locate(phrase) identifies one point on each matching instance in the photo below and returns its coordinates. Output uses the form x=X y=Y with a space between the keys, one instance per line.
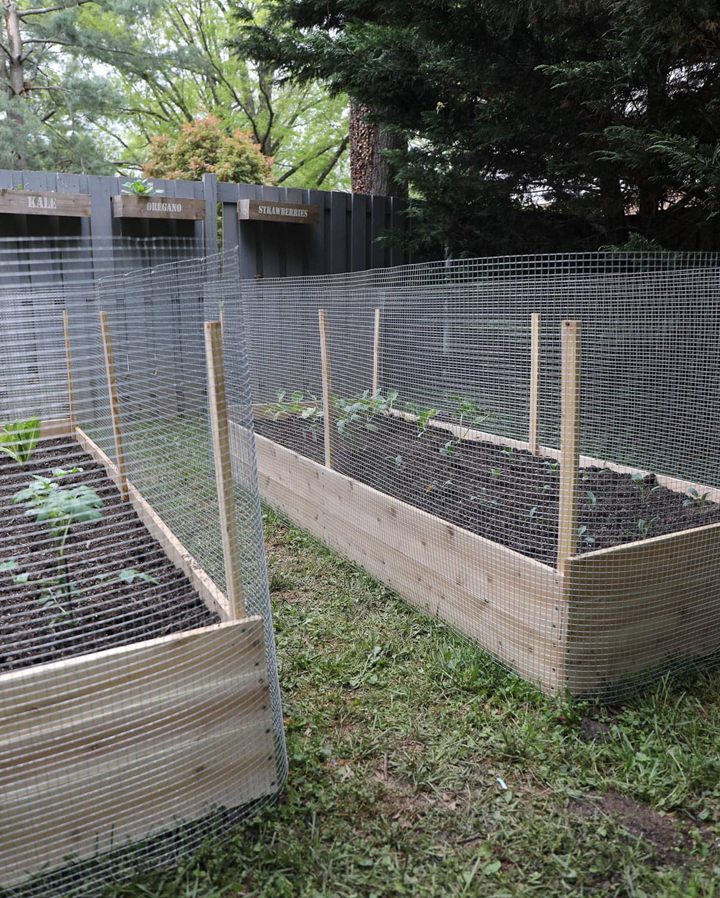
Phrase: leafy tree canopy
x=533 y=125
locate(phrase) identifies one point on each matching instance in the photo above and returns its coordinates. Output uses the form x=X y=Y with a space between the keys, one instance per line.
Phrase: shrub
x=204 y=145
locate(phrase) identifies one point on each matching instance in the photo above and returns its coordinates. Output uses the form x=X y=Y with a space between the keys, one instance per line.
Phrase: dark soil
x=103 y=611
x=661 y=831
x=507 y=495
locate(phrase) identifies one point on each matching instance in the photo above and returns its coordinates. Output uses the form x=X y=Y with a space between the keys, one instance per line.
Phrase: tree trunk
x=370 y=170
x=16 y=77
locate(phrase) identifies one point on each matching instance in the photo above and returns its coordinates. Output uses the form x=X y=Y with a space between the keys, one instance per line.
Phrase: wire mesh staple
x=581 y=550
x=139 y=701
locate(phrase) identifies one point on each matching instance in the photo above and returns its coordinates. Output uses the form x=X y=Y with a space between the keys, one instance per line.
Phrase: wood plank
x=376 y=353
x=55 y=427
x=114 y=404
x=219 y=426
x=35 y=202
x=569 y=442
x=114 y=746
x=326 y=387
x=68 y=368
x=640 y=606
x=512 y=605
x=177 y=208
x=533 y=438
x=213 y=597
x=271 y=210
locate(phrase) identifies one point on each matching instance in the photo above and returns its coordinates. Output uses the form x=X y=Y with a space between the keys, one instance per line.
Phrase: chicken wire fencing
x=139 y=702
x=525 y=448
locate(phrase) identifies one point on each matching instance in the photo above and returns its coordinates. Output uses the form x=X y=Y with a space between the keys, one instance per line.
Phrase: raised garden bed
x=135 y=701
x=472 y=537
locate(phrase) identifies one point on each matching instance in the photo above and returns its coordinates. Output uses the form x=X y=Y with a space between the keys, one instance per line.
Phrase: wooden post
x=326 y=387
x=569 y=442
x=68 y=367
x=533 y=438
x=217 y=406
x=114 y=404
x=376 y=354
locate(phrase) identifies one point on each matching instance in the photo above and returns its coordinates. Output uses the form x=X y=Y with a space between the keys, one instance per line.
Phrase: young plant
x=587 y=538
x=694 y=498
x=297 y=405
x=60 y=507
x=645 y=525
x=141 y=187
x=469 y=416
x=19 y=439
x=645 y=484
x=363 y=409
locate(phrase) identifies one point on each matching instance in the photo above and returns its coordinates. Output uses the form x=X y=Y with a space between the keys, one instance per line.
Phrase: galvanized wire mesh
x=584 y=565
x=139 y=702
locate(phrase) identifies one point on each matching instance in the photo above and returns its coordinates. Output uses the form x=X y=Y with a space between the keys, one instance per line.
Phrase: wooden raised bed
x=108 y=748
x=586 y=625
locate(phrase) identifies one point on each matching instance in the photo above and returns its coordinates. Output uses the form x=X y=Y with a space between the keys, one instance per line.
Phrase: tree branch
x=42 y=11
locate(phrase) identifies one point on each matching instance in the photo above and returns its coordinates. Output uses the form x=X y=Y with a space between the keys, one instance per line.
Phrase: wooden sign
x=268 y=210
x=168 y=207
x=31 y=202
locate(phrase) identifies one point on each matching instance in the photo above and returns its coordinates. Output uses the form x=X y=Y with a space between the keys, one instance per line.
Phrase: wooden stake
x=68 y=366
x=533 y=439
x=114 y=404
x=376 y=354
x=569 y=442
x=217 y=405
x=326 y=387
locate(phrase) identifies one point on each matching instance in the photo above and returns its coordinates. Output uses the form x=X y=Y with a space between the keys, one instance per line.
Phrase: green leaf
x=9 y=565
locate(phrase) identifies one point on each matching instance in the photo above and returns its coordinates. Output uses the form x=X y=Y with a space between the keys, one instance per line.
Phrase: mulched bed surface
x=104 y=613
x=509 y=496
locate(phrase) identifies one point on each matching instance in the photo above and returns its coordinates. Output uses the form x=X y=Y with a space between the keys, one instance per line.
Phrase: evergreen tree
x=531 y=125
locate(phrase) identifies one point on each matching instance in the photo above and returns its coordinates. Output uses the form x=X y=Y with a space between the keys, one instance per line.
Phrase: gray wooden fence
x=352 y=232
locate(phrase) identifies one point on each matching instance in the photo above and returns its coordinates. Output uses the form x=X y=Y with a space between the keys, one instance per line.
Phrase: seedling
x=141 y=187
x=470 y=416
x=591 y=497
x=297 y=404
x=586 y=537
x=19 y=439
x=60 y=508
x=424 y=417
x=645 y=525
x=694 y=498
x=644 y=484
x=363 y=409
x=129 y=575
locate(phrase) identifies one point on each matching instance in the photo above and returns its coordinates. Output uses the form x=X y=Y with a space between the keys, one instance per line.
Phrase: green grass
x=401 y=736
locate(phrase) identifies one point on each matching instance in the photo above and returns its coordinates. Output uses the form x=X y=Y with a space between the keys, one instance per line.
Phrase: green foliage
x=529 y=126
x=204 y=145
x=141 y=187
x=296 y=403
x=695 y=498
x=60 y=507
x=19 y=439
x=469 y=415
x=361 y=411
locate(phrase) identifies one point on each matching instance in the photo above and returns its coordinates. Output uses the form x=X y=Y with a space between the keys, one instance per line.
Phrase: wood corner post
x=220 y=431
x=326 y=386
x=114 y=404
x=569 y=442
x=533 y=435
x=68 y=368
x=376 y=354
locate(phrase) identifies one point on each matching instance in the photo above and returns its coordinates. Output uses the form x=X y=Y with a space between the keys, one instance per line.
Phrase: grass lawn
x=419 y=768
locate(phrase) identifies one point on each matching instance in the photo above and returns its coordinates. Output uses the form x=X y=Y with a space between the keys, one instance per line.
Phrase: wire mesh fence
x=139 y=702
x=524 y=447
